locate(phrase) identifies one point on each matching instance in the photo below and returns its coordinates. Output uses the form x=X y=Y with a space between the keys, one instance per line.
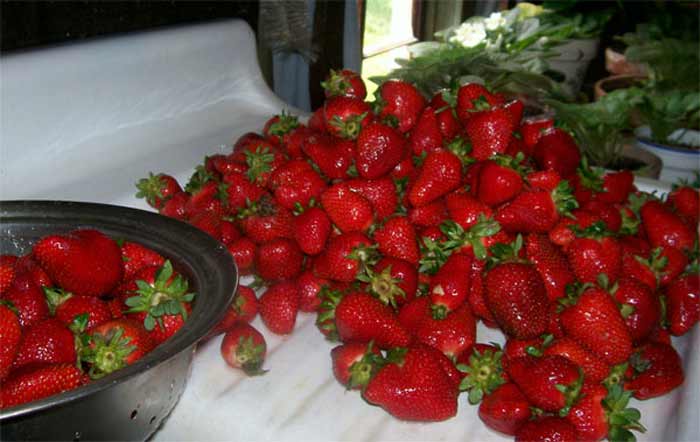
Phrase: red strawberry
x=665 y=228
x=594 y=321
x=238 y=190
x=311 y=230
x=657 y=369
x=296 y=183
x=379 y=149
x=552 y=383
x=278 y=126
x=639 y=306
x=344 y=83
x=10 y=338
x=7 y=272
x=137 y=256
x=557 y=150
x=28 y=269
x=397 y=238
x=449 y=288
x=29 y=300
x=175 y=207
x=401 y=101
x=208 y=197
x=594 y=369
x=489 y=132
x=380 y=192
x=551 y=264
x=476 y=294
x=243 y=252
x=355 y=363
x=361 y=317
x=278 y=307
x=48 y=342
x=114 y=345
x=426 y=136
x=332 y=156
x=265 y=220
x=451 y=333
x=683 y=303
x=516 y=295
x=471 y=98
x=595 y=252
x=466 y=210
x=39 y=383
x=393 y=281
x=482 y=369
x=317 y=122
x=278 y=259
x=262 y=159
x=293 y=141
x=440 y=174
x=498 y=183
x=309 y=288
x=536 y=210
x=546 y=429
x=337 y=262
x=243 y=308
x=505 y=410
x=348 y=210
x=346 y=117
x=84 y=262
x=413 y=386
x=686 y=201
x=161 y=300
x=208 y=222
x=65 y=307
x=532 y=129
x=562 y=234
x=431 y=214
x=244 y=347
x=157 y=189
x=229 y=232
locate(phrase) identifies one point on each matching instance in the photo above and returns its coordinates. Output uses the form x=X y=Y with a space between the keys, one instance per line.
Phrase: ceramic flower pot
x=679 y=161
x=573 y=60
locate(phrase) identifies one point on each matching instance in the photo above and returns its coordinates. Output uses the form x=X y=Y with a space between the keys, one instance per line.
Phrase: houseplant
x=512 y=49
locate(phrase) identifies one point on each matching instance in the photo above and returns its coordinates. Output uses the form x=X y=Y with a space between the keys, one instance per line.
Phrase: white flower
x=469 y=34
x=494 y=21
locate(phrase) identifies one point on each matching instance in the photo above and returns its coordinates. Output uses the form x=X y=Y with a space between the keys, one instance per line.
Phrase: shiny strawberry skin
x=137 y=256
x=557 y=150
x=243 y=251
x=349 y=211
x=311 y=230
x=498 y=184
x=516 y=295
x=449 y=288
x=244 y=347
x=10 y=338
x=361 y=317
x=532 y=129
x=594 y=369
x=530 y=211
x=588 y=416
x=344 y=83
x=48 y=342
x=640 y=307
x=591 y=257
x=686 y=201
x=380 y=192
x=309 y=286
x=546 y=429
x=595 y=322
x=665 y=228
x=97 y=310
x=379 y=149
x=39 y=383
x=538 y=378
x=397 y=238
x=278 y=259
x=658 y=369
x=335 y=263
x=466 y=95
x=7 y=272
x=440 y=174
x=28 y=299
x=402 y=101
x=505 y=410
x=426 y=136
x=345 y=116
x=296 y=182
x=278 y=307
x=417 y=389
x=332 y=156
x=489 y=132
x=551 y=264
x=130 y=329
x=157 y=189
x=683 y=303
x=452 y=334
x=347 y=358
x=84 y=262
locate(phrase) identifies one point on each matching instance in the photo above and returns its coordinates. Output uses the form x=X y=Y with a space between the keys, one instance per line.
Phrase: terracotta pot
x=609 y=84
x=616 y=63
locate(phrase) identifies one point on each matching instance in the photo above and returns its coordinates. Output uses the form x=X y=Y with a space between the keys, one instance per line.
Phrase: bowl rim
x=217 y=261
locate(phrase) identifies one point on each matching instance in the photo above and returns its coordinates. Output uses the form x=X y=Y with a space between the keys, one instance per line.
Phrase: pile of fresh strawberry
x=80 y=306
x=403 y=222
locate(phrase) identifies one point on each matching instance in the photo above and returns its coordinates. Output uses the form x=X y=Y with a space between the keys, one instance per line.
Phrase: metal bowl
x=129 y=404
